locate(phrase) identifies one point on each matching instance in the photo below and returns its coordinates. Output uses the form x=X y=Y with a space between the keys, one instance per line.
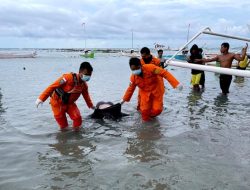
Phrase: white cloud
x=111 y=22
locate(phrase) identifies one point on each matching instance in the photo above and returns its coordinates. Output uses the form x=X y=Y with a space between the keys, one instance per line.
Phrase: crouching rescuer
x=63 y=94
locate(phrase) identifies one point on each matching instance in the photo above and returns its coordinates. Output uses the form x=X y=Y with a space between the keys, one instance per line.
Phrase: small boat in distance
x=181 y=57
x=131 y=53
x=87 y=53
x=17 y=55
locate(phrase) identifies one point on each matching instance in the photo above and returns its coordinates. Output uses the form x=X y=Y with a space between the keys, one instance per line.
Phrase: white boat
x=17 y=55
x=132 y=53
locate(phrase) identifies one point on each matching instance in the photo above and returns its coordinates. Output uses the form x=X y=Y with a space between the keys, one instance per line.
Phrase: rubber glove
x=122 y=101
x=38 y=102
x=179 y=87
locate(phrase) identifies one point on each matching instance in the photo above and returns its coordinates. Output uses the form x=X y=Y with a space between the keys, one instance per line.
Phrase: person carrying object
x=63 y=94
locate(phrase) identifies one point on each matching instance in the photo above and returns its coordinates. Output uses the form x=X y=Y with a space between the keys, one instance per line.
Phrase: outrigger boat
x=228 y=71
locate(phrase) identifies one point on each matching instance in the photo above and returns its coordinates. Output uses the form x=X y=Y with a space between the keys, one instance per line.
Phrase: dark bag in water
x=63 y=95
x=112 y=112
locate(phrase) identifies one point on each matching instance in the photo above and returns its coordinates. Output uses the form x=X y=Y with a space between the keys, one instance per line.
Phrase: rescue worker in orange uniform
x=147 y=77
x=63 y=94
x=147 y=58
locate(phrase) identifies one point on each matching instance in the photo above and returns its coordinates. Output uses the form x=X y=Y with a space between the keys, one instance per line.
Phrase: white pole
x=227 y=36
x=83 y=24
x=188 y=32
x=228 y=71
x=192 y=39
x=132 y=39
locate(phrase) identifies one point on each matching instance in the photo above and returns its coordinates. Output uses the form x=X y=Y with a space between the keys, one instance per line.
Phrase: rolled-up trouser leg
x=75 y=115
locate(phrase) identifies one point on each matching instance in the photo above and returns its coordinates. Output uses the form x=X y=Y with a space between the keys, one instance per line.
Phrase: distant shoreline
x=100 y=50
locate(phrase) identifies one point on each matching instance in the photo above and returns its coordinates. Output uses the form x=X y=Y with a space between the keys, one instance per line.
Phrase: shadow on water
x=68 y=159
x=103 y=127
x=239 y=81
x=221 y=102
x=2 y=110
x=71 y=143
x=1 y=104
x=196 y=109
x=143 y=147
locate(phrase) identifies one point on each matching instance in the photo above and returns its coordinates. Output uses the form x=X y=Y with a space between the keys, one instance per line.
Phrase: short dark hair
x=160 y=50
x=194 y=47
x=145 y=50
x=86 y=65
x=134 y=61
x=225 y=44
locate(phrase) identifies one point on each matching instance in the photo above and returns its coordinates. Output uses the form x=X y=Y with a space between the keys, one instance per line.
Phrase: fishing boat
x=17 y=55
x=86 y=53
x=215 y=69
x=181 y=57
x=131 y=52
x=182 y=52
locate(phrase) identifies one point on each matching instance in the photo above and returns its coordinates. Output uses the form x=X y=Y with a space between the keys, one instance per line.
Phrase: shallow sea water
x=200 y=141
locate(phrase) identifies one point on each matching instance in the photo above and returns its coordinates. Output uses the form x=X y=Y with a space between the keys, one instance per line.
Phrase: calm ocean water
x=200 y=141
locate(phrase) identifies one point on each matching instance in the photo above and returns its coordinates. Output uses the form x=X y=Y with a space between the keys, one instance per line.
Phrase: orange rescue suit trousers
x=151 y=108
x=60 y=115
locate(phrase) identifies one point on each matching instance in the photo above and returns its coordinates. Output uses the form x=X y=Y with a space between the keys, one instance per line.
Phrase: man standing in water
x=147 y=58
x=226 y=58
x=63 y=94
x=160 y=56
x=242 y=65
x=198 y=77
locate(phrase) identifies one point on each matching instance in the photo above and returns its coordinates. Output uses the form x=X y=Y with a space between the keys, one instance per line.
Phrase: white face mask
x=85 y=78
x=136 y=72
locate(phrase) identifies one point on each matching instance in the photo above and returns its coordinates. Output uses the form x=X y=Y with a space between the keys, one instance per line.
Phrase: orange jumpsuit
x=151 y=94
x=75 y=88
x=155 y=61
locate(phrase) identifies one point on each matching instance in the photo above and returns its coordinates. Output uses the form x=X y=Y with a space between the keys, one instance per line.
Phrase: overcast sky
x=109 y=23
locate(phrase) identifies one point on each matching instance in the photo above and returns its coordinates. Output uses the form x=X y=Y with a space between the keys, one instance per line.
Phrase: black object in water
x=107 y=110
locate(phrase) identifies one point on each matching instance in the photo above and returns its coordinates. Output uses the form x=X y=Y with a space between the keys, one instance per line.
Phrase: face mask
x=85 y=78
x=147 y=60
x=136 y=72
